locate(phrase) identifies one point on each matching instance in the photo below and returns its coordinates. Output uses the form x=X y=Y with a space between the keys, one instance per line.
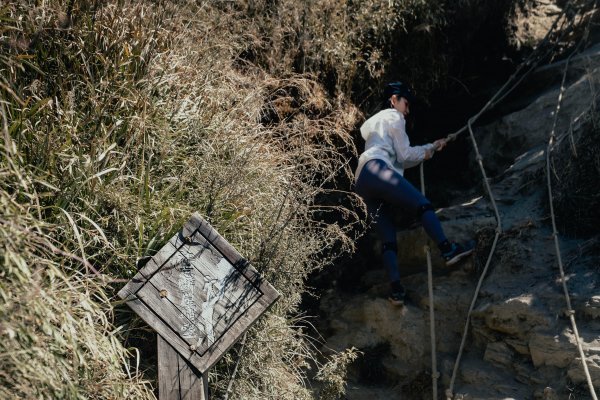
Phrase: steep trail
x=521 y=344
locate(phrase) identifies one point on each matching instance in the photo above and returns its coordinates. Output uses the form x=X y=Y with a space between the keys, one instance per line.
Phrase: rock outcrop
x=521 y=344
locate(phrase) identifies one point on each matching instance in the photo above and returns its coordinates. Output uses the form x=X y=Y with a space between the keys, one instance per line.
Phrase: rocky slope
x=520 y=343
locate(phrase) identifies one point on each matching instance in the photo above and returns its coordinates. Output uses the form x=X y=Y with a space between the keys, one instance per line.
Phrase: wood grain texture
x=199 y=294
x=177 y=378
x=157 y=261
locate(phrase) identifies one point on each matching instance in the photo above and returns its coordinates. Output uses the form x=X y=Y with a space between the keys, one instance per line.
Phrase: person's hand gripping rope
x=438 y=145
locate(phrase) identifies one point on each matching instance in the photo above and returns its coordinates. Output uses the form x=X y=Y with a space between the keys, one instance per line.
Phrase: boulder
x=552 y=350
x=592 y=307
x=499 y=354
x=502 y=141
x=515 y=316
x=576 y=372
x=367 y=322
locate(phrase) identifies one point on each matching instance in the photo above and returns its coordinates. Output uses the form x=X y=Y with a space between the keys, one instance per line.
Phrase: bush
x=120 y=120
x=352 y=47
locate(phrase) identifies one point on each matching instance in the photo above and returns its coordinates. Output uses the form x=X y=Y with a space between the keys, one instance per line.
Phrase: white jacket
x=386 y=139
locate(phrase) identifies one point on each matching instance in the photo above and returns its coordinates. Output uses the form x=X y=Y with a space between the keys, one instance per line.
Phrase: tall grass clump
x=253 y=152
x=352 y=46
x=58 y=341
x=120 y=119
x=69 y=77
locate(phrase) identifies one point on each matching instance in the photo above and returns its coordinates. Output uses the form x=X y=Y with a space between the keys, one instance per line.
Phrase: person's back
x=378 y=140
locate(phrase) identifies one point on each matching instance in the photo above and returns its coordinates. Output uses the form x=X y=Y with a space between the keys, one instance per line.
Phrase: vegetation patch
x=119 y=120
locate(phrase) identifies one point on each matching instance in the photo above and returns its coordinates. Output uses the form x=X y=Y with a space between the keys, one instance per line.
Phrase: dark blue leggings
x=384 y=189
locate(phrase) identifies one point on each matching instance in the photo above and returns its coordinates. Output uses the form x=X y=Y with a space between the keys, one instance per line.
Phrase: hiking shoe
x=458 y=252
x=397 y=295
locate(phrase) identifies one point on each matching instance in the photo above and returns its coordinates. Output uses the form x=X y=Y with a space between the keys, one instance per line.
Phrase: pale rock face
x=521 y=344
x=592 y=307
x=515 y=316
x=557 y=351
x=498 y=353
x=367 y=322
x=502 y=141
x=576 y=373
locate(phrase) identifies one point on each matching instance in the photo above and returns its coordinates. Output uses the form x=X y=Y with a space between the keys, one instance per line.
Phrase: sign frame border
x=129 y=293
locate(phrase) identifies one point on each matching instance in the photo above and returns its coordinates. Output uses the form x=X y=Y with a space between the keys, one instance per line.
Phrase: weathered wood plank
x=201 y=276
x=202 y=310
x=201 y=273
x=141 y=277
x=168 y=370
x=167 y=333
x=205 y=283
x=206 y=322
x=177 y=378
x=212 y=355
x=235 y=258
x=235 y=332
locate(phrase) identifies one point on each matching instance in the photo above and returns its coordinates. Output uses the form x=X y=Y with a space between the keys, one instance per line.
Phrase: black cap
x=400 y=90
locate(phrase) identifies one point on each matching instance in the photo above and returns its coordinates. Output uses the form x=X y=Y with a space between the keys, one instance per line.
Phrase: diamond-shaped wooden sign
x=199 y=294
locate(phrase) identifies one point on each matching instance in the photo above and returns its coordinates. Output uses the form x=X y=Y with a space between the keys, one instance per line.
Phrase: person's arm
x=408 y=155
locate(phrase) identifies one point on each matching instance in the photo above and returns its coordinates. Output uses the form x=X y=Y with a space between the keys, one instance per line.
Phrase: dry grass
x=352 y=46
x=253 y=153
x=119 y=120
x=55 y=321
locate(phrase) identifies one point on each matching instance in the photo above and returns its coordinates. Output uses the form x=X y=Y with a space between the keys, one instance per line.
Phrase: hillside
x=119 y=119
x=521 y=343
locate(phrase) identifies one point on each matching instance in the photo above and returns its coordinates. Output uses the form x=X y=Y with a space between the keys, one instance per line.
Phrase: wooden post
x=177 y=378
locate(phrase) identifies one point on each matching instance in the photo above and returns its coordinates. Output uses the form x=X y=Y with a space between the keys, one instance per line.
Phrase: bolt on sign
x=199 y=294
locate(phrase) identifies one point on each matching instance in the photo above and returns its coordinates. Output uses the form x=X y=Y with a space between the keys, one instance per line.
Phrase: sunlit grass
x=118 y=121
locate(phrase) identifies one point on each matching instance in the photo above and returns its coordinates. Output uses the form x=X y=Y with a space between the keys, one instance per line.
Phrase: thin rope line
x=449 y=391
x=492 y=102
x=570 y=311
x=501 y=93
x=434 y=372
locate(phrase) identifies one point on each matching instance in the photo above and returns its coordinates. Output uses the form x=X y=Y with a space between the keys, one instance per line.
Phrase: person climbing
x=380 y=181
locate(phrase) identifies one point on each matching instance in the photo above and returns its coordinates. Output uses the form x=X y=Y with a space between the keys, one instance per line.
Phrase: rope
x=434 y=372
x=529 y=61
x=499 y=96
x=449 y=391
x=570 y=311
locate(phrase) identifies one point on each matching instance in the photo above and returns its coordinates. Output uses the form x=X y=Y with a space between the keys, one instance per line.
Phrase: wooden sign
x=199 y=294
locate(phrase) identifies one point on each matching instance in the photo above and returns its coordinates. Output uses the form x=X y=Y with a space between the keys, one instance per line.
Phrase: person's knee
x=423 y=208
